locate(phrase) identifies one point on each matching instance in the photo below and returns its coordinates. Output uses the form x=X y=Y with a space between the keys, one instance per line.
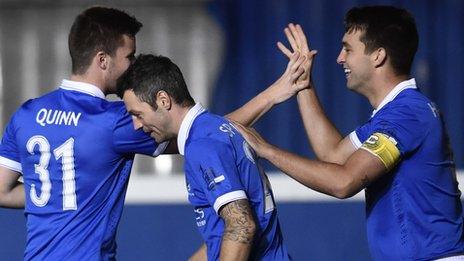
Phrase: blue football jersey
x=220 y=168
x=414 y=212
x=75 y=152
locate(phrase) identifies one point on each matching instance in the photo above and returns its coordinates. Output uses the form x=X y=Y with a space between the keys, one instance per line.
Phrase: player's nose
x=341 y=57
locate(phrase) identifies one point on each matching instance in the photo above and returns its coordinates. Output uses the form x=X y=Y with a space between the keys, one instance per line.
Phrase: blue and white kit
x=220 y=168
x=414 y=212
x=75 y=151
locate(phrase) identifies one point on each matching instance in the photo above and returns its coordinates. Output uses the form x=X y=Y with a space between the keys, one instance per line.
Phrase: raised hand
x=299 y=43
x=287 y=86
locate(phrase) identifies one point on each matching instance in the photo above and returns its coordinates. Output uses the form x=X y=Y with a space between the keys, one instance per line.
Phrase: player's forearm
x=252 y=111
x=322 y=134
x=239 y=231
x=200 y=254
x=12 y=197
x=328 y=178
x=234 y=251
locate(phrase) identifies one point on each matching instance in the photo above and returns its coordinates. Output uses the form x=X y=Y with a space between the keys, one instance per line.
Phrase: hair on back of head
x=150 y=74
x=98 y=28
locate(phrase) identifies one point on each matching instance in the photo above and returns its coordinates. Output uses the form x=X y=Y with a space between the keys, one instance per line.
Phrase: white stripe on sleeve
x=229 y=197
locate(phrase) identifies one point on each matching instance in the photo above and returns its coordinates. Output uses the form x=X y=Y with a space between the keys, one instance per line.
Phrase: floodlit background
x=227 y=52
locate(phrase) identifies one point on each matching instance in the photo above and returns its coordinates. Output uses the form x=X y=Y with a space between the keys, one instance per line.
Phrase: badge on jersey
x=211 y=178
x=383 y=147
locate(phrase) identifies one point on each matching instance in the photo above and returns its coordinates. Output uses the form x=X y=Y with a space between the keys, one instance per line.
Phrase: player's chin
x=158 y=138
x=350 y=84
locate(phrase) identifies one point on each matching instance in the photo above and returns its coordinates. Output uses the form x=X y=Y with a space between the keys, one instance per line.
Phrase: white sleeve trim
x=161 y=148
x=355 y=140
x=10 y=164
x=229 y=197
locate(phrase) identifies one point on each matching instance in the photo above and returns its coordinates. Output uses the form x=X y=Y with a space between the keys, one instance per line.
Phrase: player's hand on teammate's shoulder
x=252 y=137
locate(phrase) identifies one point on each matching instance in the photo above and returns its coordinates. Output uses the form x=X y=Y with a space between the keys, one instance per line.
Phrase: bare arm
x=239 y=230
x=281 y=90
x=11 y=190
x=326 y=141
x=200 y=254
x=338 y=180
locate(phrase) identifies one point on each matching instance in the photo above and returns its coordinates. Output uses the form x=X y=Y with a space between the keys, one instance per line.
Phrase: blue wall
x=312 y=231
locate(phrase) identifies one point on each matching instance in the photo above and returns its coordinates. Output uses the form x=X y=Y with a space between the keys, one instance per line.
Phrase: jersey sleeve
x=126 y=139
x=9 y=153
x=400 y=125
x=216 y=172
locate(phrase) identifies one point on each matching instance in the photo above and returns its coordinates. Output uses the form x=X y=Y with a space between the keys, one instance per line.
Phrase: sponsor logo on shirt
x=189 y=190
x=227 y=128
x=200 y=217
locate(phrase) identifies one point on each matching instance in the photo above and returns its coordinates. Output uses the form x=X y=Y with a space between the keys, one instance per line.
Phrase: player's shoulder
x=197 y=149
x=410 y=103
x=116 y=107
x=47 y=97
x=209 y=126
x=209 y=132
x=413 y=99
x=37 y=102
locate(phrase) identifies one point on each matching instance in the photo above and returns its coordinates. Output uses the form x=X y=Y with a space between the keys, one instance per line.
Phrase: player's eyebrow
x=133 y=112
x=346 y=44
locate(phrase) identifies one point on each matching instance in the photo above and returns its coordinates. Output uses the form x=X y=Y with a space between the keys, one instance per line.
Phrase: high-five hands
x=299 y=43
x=287 y=85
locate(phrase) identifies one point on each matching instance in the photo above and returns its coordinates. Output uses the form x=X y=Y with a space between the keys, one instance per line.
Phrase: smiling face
x=357 y=65
x=155 y=122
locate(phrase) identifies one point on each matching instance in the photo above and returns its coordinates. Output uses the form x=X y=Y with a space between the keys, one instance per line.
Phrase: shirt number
x=65 y=153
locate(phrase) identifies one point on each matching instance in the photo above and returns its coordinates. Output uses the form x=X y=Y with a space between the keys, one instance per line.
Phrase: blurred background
x=227 y=52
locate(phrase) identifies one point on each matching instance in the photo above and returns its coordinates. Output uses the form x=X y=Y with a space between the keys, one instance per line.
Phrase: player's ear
x=101 y=58
x=163 y=100
x=379 y=57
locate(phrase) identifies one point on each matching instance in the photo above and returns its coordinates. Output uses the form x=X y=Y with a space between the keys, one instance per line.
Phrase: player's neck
x=179 y=114
x=87 y=78
x=382 y=86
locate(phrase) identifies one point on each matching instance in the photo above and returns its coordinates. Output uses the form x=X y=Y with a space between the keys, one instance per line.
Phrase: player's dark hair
x=150 y=74
x=388 y=27
x=98 y=29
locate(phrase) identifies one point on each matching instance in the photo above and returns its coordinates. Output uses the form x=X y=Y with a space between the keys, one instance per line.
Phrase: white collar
x=409 y=84
x=186 y=125
x=82 y=87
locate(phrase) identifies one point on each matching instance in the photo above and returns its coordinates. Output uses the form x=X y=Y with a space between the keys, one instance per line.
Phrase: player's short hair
x=388 y=27
x=98 y=29
x=150 y=74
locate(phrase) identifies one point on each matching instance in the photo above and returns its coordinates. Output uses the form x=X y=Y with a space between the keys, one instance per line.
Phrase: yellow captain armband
x=383 y=147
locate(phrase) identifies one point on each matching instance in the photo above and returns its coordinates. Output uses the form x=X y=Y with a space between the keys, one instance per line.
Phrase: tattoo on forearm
x=239 y=224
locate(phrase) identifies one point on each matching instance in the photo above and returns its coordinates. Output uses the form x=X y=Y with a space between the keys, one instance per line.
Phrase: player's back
x=74 y=173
